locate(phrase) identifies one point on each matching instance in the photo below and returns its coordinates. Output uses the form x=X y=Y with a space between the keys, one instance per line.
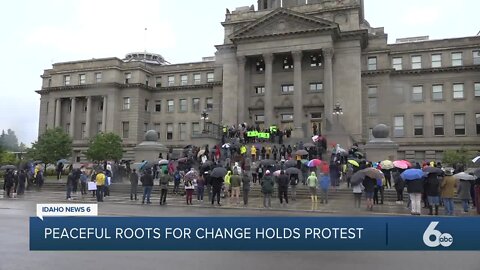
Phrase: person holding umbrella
x=414 y=181
x=399 y=184
x=463 y=193
x=369 y=184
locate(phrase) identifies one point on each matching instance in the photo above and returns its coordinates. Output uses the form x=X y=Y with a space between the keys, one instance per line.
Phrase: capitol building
x=290 y=63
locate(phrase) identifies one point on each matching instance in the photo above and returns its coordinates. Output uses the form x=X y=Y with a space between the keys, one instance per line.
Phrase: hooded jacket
x=312 y=180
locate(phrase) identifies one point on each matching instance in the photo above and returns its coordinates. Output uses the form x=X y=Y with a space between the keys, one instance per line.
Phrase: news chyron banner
x=252 y=233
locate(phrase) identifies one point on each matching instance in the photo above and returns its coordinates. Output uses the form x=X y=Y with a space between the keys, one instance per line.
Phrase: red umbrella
x=314 y=163
x=401 y=164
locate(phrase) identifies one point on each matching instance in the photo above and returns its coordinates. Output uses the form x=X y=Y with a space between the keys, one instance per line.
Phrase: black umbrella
x=308 y=145
x=477 y=173
x=359 y=155
x=301 y=152
x=219 y=172
x=37 y=162
x=292 y=170
x=357 y=178
x=290 y=163
x=433 y=170
x=267 y=162
x=8 y=167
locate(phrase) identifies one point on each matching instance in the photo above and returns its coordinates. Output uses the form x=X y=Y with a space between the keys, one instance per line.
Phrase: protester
x=324 y=185
x=147 y=183
x=22 y=178
x=70 y=183
x=399 y=184
x=293 y=185
x=463 y=194
x=133 y=184
x=432 y=189
x=189 y=188
x=59 y=170
x=217 y=183
x=165 y=178
x=357 y=194
x=226 y=182
x=312 y=184
x=201 y=186
x=245 y=188
x=100 y=180
x=283 y=182
x=9 y=181
x=415 y=190
x=369 y=185
x=235 y=183
x=267 y=184
x=177 y=178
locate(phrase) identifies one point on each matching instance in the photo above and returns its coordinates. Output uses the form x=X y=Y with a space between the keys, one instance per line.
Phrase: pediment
x=282 y=22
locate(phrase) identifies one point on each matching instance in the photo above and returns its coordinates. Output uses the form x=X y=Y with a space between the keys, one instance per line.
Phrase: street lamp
x=338 y=110
x=204 y=116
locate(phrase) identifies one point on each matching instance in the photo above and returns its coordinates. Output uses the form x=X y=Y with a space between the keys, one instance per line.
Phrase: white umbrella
x=476 y=160
x=227 y=145
x=464 y=176
x=201 y=152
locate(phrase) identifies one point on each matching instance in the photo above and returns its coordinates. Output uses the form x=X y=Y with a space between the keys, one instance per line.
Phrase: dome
x=380 y=131
x=151 y=136
x=145 y=57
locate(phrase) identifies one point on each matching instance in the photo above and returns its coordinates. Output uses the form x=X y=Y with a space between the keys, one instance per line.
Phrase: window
x=66 y=80
x=195 y=104
x=147 y=105
x=210 y=77
x=260 y=65
x=458 y=91
x=416 y=62
x=316 y=60
x=99 y=127
x=477 y=123
x=82 y=78
x=197 y=78
x=398 y=127
x=436 y=60
x=437 y=92
x=287 y=117
x=372 y=105
x=438 y=125
x=182 y=130
x=477 y=89
x=158 y=105
x=316 y=115
x=128 y=77
x=372 y=91
x=126 y=103
x=195 y=128
x=209 y=102
x=259 y=90
x=171 y=80
x=147 y=80
x=459 y=121
x=83 y=130
x=316 y=87
x=372 y=63
x=169 y=132
x=125 y=129
x=457 y=59
x=145 y=127
x=259 y=118
x=287 y=62
x=170 y=105
x=156 y=127
x=158 y=82
x=287 y=88
x=183 y=105
x=397 y=63
x=98 y=77
x=183 y=80
x=418 y=125
x=476 y=57
x=417 y=93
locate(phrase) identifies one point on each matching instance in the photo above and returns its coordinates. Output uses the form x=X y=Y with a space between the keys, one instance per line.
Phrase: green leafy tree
x=7 y=158
x=460 y=156
x=51 y=146
x=105 y=146
x=9 y=141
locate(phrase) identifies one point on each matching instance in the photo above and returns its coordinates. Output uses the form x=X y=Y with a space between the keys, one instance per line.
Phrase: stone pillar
x=297 y=95
x=242 y=91
x=328 y=88
x=104 y=114
x=58 y=110
x=268 y=108
x=88 y=118
x=72 y=117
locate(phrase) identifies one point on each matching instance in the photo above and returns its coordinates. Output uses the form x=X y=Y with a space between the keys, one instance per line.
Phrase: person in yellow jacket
x=226 y=181
x=243 y=150
x=100 y=180
x=312 y=184
x=253 y=152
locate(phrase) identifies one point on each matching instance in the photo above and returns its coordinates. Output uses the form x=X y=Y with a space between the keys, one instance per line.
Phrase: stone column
x=72 y=117
x=58 y=110
x=104 y=114
x=328 y=88
x=268 y=101
x=88 y=118
x=297 y=95
x=241 y=90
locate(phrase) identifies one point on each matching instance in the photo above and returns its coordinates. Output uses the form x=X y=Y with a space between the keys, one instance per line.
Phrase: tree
x=51 y=146
x=105 y=146
x=9 y=140
x=458 y=157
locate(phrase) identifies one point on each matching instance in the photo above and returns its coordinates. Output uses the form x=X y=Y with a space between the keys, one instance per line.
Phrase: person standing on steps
x=267 y=184
x=312 y=185
x=147 y=183
x=283 y=182
x=165 y=178
x=245 y=188
x=133 y=184
x=432 y=189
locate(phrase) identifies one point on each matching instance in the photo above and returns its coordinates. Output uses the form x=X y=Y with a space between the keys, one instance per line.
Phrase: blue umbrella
x=412 y=174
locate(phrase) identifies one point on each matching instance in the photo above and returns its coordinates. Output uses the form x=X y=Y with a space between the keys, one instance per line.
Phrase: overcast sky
x=35 y=34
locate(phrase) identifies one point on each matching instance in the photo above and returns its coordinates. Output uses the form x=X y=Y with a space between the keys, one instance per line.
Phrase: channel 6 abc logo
x=434 y=238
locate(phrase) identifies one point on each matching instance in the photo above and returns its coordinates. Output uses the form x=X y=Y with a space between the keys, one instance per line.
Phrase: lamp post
x=337 y=110
x=204 y=116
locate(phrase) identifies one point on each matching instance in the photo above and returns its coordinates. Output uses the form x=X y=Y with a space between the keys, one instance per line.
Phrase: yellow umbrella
x=353 y=162
x=386 y=164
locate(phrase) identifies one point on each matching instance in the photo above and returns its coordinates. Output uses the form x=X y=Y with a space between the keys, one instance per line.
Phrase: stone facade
x=289 y=66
